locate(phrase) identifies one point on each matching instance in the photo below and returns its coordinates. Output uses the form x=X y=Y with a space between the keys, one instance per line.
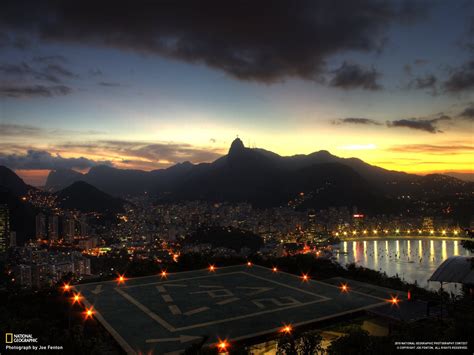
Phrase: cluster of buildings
x=35 y=267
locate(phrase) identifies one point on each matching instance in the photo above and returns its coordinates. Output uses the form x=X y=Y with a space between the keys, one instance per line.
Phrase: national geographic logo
x=11 y=338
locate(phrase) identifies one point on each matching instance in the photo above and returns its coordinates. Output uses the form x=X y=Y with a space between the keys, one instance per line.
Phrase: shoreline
x=401 y=237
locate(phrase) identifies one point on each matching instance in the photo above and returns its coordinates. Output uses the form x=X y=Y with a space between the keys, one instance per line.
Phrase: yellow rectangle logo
x=8 y=338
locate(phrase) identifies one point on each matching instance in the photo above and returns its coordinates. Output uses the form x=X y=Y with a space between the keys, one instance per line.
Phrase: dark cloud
x=461 y=79
x=427 y=82
x=427 y=125
x=424 y=82
x=49 y=59
x=59 y=70
x=353 y=76
x=360 y=121
x=16 y=130
x=421 y=61
x=34 y=91
x=17 y=42
x=12 y=130
x=440 y=149
x=468 y=113
x=109 y=84
x=95 y=72
x=43 y=160
x=266 y=40
x=157 y=154
x=25 y=73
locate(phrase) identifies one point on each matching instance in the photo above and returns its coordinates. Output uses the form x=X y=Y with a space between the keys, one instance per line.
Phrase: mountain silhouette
x=264 y=178
x=84 y=197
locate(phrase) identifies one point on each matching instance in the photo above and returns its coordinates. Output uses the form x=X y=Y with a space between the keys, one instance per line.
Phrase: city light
x=222 y=345
x=305 y=277
x=344 y=288
x=66 y=287
x=164 y=274
x=76 y=298
x=88 y=313
x=275 y=269
x=394 y=300
x=212 y=268
x=286 y=329
x=121 y=279
x=249 y=263
x=456 y=232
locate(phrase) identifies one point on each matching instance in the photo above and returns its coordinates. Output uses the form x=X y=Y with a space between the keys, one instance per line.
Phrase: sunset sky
x=146 y=84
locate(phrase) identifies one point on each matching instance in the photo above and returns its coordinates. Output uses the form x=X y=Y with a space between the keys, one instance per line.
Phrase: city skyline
x=390 y=83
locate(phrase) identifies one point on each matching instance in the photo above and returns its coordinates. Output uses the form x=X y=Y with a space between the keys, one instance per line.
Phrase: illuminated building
x=4 y=228
x=53 y=227
x=40 y=226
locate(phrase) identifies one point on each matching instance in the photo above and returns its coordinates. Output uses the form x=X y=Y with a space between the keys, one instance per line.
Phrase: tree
x=308 y=343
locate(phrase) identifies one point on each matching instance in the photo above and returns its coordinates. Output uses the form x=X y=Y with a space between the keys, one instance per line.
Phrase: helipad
x=166 y=315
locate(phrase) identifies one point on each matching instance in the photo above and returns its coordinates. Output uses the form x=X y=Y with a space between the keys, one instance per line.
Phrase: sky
x=148 y=84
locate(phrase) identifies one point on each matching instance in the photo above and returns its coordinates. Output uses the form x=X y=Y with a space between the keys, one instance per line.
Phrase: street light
x=121 y=279
x=76 y=299
x=222 y=345
x=344 y=288
x=88 y=313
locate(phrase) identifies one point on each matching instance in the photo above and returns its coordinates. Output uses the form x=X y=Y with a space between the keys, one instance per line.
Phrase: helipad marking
x=259 y=302
x=97 y=290
x=167 y=298
x=174 y=309
x=257 y=290
x=147 y=311
x=197 y=310
x=230 y=300
x=182 y=339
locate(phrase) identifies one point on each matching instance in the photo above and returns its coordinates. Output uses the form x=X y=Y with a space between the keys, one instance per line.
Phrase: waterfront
x=410 y=259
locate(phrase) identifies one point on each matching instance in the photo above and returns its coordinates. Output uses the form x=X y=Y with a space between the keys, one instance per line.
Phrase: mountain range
x=268 y=179
x=263 y=178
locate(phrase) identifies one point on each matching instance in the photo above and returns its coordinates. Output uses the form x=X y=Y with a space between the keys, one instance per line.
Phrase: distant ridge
x=84 y=197
x=264 y=178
